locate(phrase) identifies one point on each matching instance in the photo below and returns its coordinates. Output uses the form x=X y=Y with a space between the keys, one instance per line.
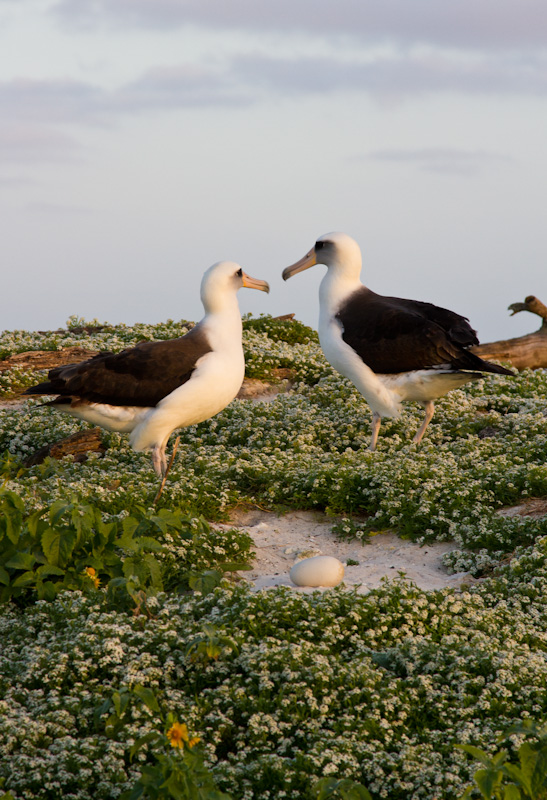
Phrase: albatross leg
x=429 y=411
x=167 y=469
x=159 y=460
x=376 y=420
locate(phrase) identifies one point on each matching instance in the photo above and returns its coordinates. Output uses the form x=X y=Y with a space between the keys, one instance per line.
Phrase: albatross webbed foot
x=167 y=467
x=159 y=461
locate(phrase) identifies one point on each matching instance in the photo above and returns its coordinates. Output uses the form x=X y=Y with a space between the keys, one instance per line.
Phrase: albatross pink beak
x=308 y=261
x=255 y=283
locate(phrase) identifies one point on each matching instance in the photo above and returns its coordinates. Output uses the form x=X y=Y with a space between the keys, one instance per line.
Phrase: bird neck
x=335 y=287
x=222 y=305
x=222 y=321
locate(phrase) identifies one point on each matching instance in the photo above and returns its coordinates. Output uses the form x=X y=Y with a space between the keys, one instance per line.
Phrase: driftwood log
x=47 y=359
x=523 y=351
x=78 y=445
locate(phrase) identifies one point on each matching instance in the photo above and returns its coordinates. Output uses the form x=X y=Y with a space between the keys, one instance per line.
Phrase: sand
x=280 y=540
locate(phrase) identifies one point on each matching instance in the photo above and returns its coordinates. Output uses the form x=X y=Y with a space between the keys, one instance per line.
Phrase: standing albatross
x=155 y=387
x=392 y=349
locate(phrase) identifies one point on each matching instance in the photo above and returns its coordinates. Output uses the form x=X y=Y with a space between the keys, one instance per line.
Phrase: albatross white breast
x=392 y=349
x=150 y=390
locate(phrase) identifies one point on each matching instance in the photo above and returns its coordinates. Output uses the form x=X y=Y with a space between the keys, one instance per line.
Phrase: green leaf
x=178 y=790
x=147 y=696
x=487 y=781
x=47 y=591
x=165 y=517
x=234 y=566
x=21 y=561
x=4 y=577
x=128 y=543
x=539 y=778
x=83 y=519
x=153 y=736
x=161 y=522
x=155 y=571
x=135 y=567
x=58 y=509
x=148 y=543
x=511 y=792
x=205 y=581
x=356 y=792
x=129 y=526
x=12 y=531
x=327 y=788
x=24 y=579
x=516 y=774
x=528 y=757
x=477 y=753
x=498 y=759
x=49 y=569
x=58 y=545
x=34 y=522
x=120 y=701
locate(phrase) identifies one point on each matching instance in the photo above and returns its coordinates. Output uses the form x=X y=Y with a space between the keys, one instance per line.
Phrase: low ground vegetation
x=117 y=625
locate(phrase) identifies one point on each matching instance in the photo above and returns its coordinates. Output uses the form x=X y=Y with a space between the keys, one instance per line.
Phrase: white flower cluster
x=377 y=688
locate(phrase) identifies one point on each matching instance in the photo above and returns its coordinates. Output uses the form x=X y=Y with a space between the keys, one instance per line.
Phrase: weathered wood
x=78 y=445
x=282 y=380
x=47 y=359
x=521 y=352
x=529 y=351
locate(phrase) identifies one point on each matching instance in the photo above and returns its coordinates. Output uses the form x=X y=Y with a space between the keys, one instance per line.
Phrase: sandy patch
x=533 y=507
x=280 y=539
x=12 y=404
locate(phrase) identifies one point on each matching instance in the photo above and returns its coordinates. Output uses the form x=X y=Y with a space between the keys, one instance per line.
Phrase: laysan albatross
x=391 y=349
x=155 y=387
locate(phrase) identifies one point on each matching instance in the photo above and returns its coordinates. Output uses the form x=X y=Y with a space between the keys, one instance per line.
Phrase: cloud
x=23 y=144
x=46 y=114
x=32 y=100
x=443 y=160
x=246 y=79
x=398 y=74
x=466 y=23
x=54 y=101
x=182 y=86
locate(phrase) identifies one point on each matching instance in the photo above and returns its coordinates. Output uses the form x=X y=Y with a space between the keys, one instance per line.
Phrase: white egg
x=317 y=571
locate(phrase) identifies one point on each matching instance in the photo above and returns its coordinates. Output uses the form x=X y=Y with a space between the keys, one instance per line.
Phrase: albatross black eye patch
x=239 y=273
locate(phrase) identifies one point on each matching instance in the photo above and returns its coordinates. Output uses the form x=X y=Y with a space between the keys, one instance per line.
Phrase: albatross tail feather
x=468 y=360
x=495 y=368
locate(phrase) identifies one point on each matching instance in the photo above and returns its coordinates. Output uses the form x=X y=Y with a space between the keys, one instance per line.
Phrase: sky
x=143 y=140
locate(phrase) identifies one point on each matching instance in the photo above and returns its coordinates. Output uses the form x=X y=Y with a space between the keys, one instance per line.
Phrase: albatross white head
x=221 y=282
x=342 y=257
x=338 y=251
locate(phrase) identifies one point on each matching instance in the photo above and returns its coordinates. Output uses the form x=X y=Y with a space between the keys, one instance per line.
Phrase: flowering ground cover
x=117 y=631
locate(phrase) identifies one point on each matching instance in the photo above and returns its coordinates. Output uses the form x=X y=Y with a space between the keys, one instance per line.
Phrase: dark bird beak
x=308 y=261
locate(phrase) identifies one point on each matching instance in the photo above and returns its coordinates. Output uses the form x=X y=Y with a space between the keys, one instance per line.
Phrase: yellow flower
x=178 y=736
x=91 y=572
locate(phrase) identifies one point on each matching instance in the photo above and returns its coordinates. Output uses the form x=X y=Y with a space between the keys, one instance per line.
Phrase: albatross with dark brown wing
x=150 y=390
x=392 y=349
